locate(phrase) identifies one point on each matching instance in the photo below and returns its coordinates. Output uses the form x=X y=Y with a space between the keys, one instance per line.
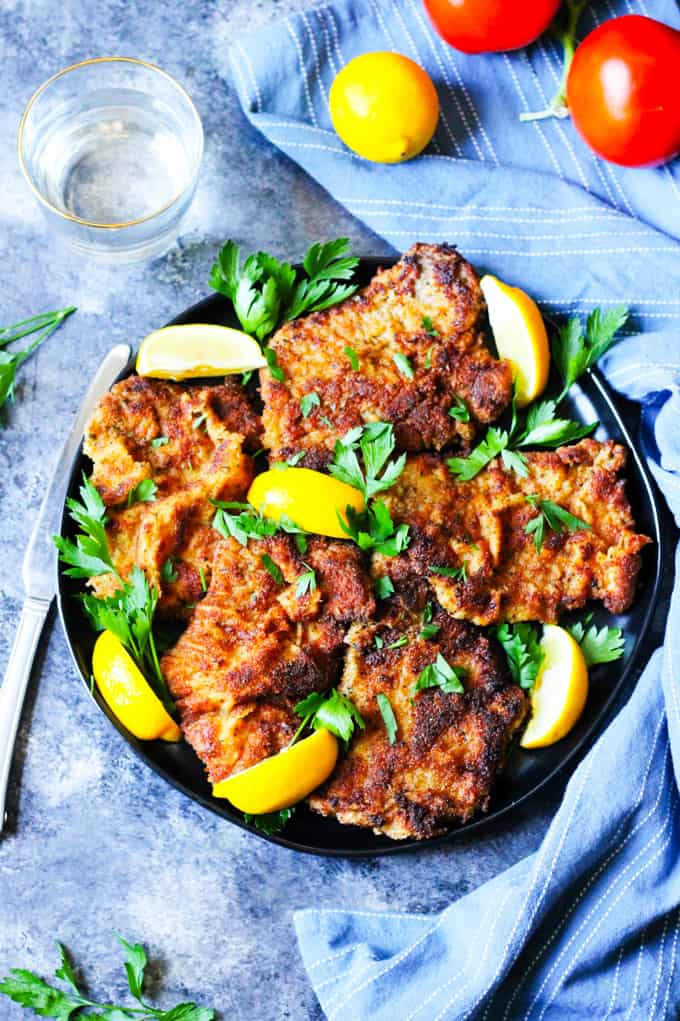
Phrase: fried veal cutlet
x=449 y=747
x=415 y=332
x=477 y=529
x=254 y=647
x=188 y=441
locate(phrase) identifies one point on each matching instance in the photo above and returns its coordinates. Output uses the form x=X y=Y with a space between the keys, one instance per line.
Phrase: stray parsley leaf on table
x=389 y=719
x=32 y=992
x=329 y=711
x=46 y=323
x=552 y=516
x=441 y=674
x=522 y=648
x=603 y=645
x=266 y=292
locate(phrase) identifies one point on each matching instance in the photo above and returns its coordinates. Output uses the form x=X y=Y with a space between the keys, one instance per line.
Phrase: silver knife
x=39 y=571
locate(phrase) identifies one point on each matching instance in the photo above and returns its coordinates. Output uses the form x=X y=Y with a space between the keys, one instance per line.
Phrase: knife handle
x=13 y=690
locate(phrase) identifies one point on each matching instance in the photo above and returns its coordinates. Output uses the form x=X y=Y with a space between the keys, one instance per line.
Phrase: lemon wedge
x=520 y=336
x=284 y=779
x=560 y=691
x=309 y=498
x=197 y=350
x=128 y=694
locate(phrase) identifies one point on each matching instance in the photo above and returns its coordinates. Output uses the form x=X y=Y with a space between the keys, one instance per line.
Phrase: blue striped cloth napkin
x=588 y=926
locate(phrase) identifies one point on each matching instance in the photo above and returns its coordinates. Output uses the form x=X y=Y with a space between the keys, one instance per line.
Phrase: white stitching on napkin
x=315 y=53
x=670 y=977
x=320 y=15
x=303 y=70
x=253 y=77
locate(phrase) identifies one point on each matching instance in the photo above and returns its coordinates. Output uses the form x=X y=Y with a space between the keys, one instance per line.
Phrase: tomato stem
x=567 y=37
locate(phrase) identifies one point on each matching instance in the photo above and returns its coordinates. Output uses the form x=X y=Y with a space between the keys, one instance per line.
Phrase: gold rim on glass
x=72 y=67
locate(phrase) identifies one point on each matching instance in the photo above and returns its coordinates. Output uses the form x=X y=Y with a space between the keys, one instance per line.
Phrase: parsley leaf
x=383 y=586
x=465 y=468
x=144 y=492
x=374 y=529
x=428 y=358
x=295 y=459
x=89 y=556
x=329 y=711
x=389 y=719
x=522 y=648
x=459 y=410
x=603 y=645
x=552 y=516
x=266 y=292
x=160 y=441
x=441 y=674
x=273 y=365
x=30 y=991
x=248 y=524
x=306 y=583
x=46 y=323
x=544 y=430
x=353 y=358
x=129 y=614
x=457 y=573
x=516 y=462
x=403 y=364
x=429 y=631
x=309 y=402
x=376 y=443
x=398 y=643
x=428 y=326
x=168 y=572
x=272 y=568
x=270 y=822
x=574 y=351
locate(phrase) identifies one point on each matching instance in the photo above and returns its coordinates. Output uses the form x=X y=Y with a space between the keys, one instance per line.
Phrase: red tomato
x=623 y=94
x=487 y=26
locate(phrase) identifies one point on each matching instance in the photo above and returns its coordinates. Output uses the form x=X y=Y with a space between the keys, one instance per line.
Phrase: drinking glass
x=111 y=148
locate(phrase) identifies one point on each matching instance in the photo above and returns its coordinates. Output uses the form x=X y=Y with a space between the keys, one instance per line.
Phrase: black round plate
x=527 y=771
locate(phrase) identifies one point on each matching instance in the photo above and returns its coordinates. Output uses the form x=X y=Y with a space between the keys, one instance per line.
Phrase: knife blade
x=39 y=570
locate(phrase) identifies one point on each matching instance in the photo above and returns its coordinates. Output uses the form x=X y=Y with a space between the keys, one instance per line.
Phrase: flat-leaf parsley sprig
x=46 y=323
x=129 y=612
x=328 y=711
x=523 y=651
x=266 y=292
x=598 y=645
x=372 y=528
x=34 y=993
x=551 y=516
x=574 y=349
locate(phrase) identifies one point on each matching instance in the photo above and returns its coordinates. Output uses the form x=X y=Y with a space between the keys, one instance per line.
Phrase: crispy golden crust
x=481 y=524
x=384 y=319
x=197 y=464
x=449 y=748
x=253 y=648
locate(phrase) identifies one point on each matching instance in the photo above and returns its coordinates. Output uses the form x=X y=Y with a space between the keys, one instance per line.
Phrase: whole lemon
x=384 y=107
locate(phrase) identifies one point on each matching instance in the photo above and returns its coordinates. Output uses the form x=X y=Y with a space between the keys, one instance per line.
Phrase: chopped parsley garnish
x=457 y=573
x=353 y=358
x=308 y=403
x=429 y=631
x=245 y=525
x=603 y=645
x=295 y=459
x=32 y=992
x=398 y=643
x=199 y=420
x=144 y=492
x=383 y=586
x=403 y=364
x=552 y=516
x=266 y=292
x=246 y=377
x=201 y=575
x=269 y=823
x=522 y=648
x=441 y=674
x=379 y=642
x=428 y=358
x=428 y=326
x=374 y=529
x=273 y=569
x=329 y=711
x=459 y=410
x=168 y=572
x=325 y=420
x=306 y=583
x=389 y=719
x=160 y=441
